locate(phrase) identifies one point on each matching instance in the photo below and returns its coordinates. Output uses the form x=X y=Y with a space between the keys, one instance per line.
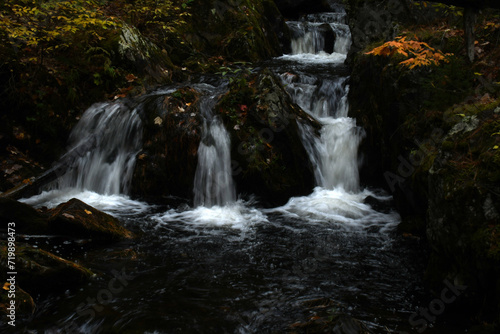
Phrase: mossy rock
x=166 y=165
x=269 y=159
x=144 y=57
x=41 y=272
x=237 y=29
x=75 y=218
x=25 y=305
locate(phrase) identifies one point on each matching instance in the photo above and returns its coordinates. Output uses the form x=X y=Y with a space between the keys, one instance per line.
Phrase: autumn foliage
x=416 y=53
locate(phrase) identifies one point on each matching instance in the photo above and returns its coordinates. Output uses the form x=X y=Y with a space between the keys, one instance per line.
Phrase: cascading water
x=334 y=154
x=116 y=133
x=225 y=265
x=213 y=183
x=100 y=162
x=317 y=80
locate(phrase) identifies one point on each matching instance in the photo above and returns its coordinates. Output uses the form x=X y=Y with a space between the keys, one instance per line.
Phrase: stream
x=226 y=264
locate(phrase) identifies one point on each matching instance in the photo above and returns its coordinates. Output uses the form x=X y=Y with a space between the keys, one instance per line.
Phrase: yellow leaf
x=88 y=212
x=6 y=286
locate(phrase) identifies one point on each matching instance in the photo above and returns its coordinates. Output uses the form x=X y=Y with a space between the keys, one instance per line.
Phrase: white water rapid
x=319 y=85
x=100 y=161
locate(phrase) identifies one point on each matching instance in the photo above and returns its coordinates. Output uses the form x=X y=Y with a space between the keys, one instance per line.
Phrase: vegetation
x=416 y=53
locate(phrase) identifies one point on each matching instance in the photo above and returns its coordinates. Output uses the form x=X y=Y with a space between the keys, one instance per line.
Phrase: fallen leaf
x=88 y=212
x=28 y=181
x=67 y=215
x=6 y=286
x=130 y=78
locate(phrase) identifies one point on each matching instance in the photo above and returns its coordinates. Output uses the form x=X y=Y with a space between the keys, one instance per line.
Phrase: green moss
x=487 y=241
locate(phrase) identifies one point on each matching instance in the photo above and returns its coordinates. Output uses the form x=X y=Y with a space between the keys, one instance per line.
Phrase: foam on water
x=318 y=58
x=345 y=210
x=116 y=204
x=237 y=215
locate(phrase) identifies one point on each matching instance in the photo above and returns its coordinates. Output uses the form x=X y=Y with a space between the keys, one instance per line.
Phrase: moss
x=78 y=219
x=487 y=241
x=25 y=305
x=39 y=271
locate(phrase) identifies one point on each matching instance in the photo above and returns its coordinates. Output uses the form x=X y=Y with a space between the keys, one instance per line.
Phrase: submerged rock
x=39 y=271
x=25 y=305
x=324 y=316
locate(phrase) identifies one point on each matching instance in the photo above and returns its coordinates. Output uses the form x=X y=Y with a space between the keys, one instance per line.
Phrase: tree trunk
x=469 y=28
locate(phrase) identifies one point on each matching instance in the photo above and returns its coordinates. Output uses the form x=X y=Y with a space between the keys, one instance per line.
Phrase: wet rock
x=75 y=218
x=324 y=316
x=269 y=159
x=167 y=162
x=25 y=305
x=26 y=219
x=39 y=271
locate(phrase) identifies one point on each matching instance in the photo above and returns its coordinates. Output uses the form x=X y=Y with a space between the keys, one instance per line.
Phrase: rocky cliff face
x=432 y=140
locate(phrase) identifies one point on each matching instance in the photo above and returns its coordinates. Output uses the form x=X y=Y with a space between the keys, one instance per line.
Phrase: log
x=65 y=163
x=470 y=15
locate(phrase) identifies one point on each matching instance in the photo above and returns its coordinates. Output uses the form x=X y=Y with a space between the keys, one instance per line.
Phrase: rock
x=326 y=319
x=463 y=223
x=269 y=159
x=167 y=162
x=25 y=305
x=75 y=218
x=153 y=64
x=241 y=30
x=27 y=220
x=39 y=271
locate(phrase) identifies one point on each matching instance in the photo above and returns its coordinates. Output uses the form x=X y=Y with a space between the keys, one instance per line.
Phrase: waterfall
x=213 y=183
x=321 y=33
x=335 y=154
x=106 y=140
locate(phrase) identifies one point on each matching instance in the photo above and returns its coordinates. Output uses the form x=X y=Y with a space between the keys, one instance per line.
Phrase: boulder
x=77 y=219
x=144 y=57
x=241 y=30
x=269 y=159
x=166 y=165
